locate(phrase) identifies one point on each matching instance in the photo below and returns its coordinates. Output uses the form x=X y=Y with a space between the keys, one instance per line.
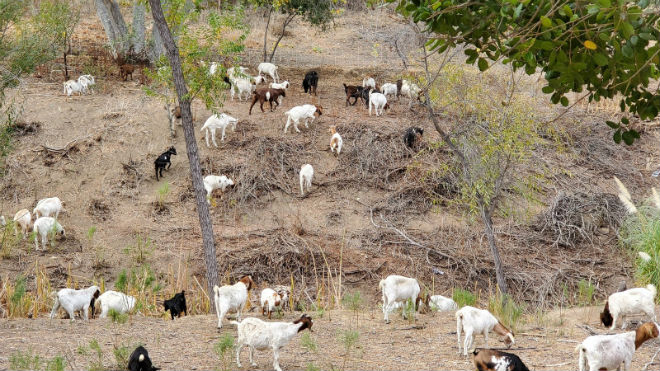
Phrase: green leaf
x=612 y=124
x=604 y=3
x=627 y=29
x=547 y=89
x=546 y=22
x=568 y=10
x=600 y=59
x=617 y=136
x=483 y=64
x=628 y=138
x=646 y=36
x=564 y=101
x=592 y=9
x=627 y=51
x=625 y=121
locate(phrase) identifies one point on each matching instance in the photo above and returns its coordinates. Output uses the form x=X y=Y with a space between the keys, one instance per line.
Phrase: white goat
x=269 y=69
x=369 y=82
x=43 y=226
x=118 y=301
x=306 y=175
x=244 y=87
x=442 y=303
x=74 y=300
x=335 y=141
x=388 y=89
x=215 y=122
x=283 y=85
x=260 y=335
x=410 y=90
x=269 y=301
x=478 y=321
x=306 y=111
x=232 y=297
x=378 y=101
x=72 y=86
x=87 y=83
x=212 y=182
x=630 y=302
x=47 y=207
x=23 y=218
x=398 y=289
x=608 y=352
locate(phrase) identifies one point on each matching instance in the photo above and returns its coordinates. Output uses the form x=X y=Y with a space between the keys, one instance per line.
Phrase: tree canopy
x=600 y=48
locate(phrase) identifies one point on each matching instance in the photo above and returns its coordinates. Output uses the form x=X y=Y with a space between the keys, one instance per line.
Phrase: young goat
x=125 y=70
x=269 y=69
x=43 y=226
x=479 y=321
x=47 y=207
x=260 y=335
x=494 y=360
x=215 y=122
x=310 y=82
x=442 y=304
x=269 y=95
x=378 y=101
x=283 y=85
x=213 y=182
x=306 y=175
x=369 y=82
x=412 y=136
x=284 y=292
x=86 y=83
x=72 y=86
x=335 y=141
x=118 y=301
x=140 y=361
x=23 y=218
x=176 y=305
x=306 y=112
x=352 y=91
x=389 y=89
x=269 y=301
x=398 y=289
x=410 y=90
x=74 y=300
x=634 y=301
x=164 y=160
x=608 y=352
x=245 y=88
x=232 y=298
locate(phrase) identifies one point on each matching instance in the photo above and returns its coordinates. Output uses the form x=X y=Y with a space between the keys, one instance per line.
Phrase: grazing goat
x=269 y=69
x=245 y=88
x=232 y=298
x=270 y=95
x=442 y=304
x=306 y=112
x=284 y=292
x=630 y=302
x=398 y=289
x=43 y=226
x=23 y=218
x=125 y=70
x=608 y=352
x=310 y=82
x=410 y=90
x=364 y=95
x=164 y=160
x=47 y=207
x=479 y=321
x=74 y=300
x=378 y=101
x=140 y=361
x=260 y=335
x=72 y=86
x=369 y=82
x=176 y=305
x=215 y=122
x=494 y=360
x=389 y=89
x=213 y=182
x=86 y=83
x=118 y=301
x=335 y=141
x=306 y=175
x=283 y=85
x=412 y=136
x=352 y=91
x=269 y=301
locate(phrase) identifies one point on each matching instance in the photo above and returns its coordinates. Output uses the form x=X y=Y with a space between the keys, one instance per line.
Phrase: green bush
x=463 y=297
x=506 y=310
x=640 y=232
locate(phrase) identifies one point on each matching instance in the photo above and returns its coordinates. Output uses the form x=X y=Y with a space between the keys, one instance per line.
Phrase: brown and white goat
x=479 y=321
x=270 y=95
x=352 y=91
x=494 y=360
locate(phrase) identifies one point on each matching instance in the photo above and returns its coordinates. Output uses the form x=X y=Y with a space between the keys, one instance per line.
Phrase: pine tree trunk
x=191 y=145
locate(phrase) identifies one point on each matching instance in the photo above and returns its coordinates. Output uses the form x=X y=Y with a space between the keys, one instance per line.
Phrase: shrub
x=463 y=297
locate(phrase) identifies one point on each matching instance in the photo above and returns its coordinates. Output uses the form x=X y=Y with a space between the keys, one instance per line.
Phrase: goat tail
x=651 y=287
x=216 y=289
x=234 y=323
x=582 y=358
x=381 y=284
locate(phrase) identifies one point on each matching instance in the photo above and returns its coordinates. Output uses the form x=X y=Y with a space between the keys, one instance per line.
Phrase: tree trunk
x=288 y=20
x=191 y=146
x=138 y=40
x=158 y=47
x=270 y=13
x=113 y=23
x=490 y=235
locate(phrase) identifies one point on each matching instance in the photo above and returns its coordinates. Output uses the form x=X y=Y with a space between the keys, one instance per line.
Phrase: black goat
x=364 y=95
x=176 y=305
x=310 y=82
x=140 y=361
x=164 y=160
x=412 y=135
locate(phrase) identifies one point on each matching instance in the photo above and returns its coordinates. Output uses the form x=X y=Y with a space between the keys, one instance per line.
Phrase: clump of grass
x=307 y=342
x=117 y=317
x=25 y=361
x=97 y=363
x=463 y=297
x=56 y=364
x=349 y=339
x=223 y=348
x=585 y=295
x=506 y=310
x=353 y=302
x=8 y=239
x=141 y=250
x=121 y=353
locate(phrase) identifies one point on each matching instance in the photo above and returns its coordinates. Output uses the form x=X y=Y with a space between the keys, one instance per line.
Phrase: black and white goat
x=412 y=136
x=494 y=360
x=74 y=300
x=140 y=361
x=164 y=160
